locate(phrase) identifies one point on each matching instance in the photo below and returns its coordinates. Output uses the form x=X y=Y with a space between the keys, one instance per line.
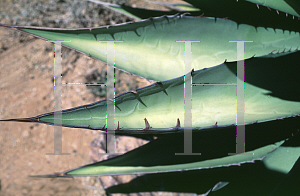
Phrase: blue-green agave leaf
x=140 y=13
x=246 y=12
x=290 y=184
x=271 y=92
x=149 y=48
x=247 y=179
x=177 y=6
x=214 y=147
x=288 y=6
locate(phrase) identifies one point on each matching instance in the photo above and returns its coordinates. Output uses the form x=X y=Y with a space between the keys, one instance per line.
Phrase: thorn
x=138 y=97
x=103 y=127
x=202 y=15
x=176 y=14
x=286 y=14
x=257 y=6
x=178 y=123
x=216 y=124
x=277 y=12
x=112 y=35
x=165 y=16
x=292 y=134
x=283 y=51
x=107 y=27
x=89 y=126
x=161 y=85
x=118 y=127
x=186 y=13
x=152 y=22
x=137 y=33
x=111 y=100
x=90 y=30
x=134 y=91
x=293 y=17
x=269 y=8
x=118 y=107
x=147 y=125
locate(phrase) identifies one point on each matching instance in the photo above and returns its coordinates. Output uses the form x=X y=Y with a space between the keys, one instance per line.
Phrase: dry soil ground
x=26 y=90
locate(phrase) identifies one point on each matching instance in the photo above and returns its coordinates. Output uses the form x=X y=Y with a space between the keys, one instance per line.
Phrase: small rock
x=25 y=133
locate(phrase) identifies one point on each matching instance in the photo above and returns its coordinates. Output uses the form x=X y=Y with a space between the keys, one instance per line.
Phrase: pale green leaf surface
x=282 y=5
x=109 y=169
x=162 y=104
x=139 y=13
x=284 y=157
x=270 y=93
x=149 y=48
x=179 y=6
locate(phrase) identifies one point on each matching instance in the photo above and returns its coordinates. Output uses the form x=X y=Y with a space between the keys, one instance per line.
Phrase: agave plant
x=149 y=50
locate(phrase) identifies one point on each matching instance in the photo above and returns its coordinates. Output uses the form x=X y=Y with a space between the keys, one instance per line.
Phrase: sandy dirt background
x=26 y=90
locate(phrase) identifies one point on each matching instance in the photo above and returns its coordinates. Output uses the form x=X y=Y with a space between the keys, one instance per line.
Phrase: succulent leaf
x=149 y=48
x=255 y=14
x=214 y=147
x=178 y=6
x=270 y=93
x=288 y=6
x=246 y=179
x=289 y=185
x=140 y=13
x=146 y=160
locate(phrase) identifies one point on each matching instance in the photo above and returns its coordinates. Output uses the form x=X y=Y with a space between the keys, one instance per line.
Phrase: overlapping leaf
x=275 y=14
x=214 y=147
x=270 y=94
x=140 y=13
x=259 y=178
x=177 y=6
x=291 y=7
